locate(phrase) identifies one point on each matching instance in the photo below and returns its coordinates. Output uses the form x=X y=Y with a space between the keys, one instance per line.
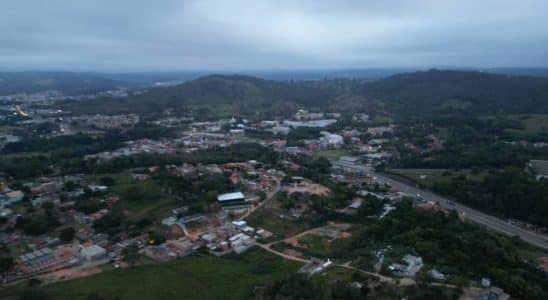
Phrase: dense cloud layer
x=283 y=34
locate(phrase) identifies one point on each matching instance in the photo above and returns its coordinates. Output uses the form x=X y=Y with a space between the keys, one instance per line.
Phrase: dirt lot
x=308 y=188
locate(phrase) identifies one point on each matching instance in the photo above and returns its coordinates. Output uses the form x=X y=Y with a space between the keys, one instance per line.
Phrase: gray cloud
x=139 y=35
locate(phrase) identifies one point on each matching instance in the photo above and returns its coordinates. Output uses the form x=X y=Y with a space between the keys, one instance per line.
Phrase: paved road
x=469 y=213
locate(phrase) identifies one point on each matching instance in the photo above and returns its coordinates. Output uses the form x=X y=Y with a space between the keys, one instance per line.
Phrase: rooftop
x=230 y=196
x=540 y=166
x=93 y=250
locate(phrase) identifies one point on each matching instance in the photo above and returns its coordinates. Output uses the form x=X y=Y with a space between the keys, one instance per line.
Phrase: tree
x=93 y=296
x=6 y=264
x=71 y=186
x=156 y=237
x=108 y=181
x=67 y=234
x=131 y=254
x=34 y=282
x=34 y=293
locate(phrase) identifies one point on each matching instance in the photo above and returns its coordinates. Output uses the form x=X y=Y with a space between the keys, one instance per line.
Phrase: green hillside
x=238 y=94
x=418 y=93
x=468 y=92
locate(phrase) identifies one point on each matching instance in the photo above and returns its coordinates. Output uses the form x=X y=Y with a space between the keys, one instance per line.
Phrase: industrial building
x=236 y=198
x=93 y=253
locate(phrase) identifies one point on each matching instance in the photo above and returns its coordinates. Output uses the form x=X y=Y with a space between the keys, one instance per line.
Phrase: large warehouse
x=236 y=198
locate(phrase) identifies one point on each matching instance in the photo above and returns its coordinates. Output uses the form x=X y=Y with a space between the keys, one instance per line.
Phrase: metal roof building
x=93 y=252
x=37 y=257
x=231 y=198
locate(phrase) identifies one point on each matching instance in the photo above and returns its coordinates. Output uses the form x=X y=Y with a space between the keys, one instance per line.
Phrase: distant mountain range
x=66 y=82
x=74 y=83
x=537 y=72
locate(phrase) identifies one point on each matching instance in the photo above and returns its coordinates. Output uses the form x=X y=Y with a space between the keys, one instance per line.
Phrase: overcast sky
x=156 y=35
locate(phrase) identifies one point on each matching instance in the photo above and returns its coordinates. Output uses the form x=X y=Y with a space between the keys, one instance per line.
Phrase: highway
x=468 y=213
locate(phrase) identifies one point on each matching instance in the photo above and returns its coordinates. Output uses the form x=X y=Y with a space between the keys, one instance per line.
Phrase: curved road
x=469 y=213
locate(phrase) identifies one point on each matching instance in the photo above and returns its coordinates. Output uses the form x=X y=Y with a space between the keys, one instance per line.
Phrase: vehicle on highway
x=451 y=203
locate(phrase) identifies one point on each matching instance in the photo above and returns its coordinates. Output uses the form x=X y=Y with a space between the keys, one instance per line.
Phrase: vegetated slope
x=419 y=93
x=442 y=91
x=66 y=82
x=238 y=93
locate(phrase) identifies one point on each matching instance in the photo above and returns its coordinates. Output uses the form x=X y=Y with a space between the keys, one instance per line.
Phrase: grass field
x=532 y=125
x=315 y=245
x=339 y=273
x=381 y=120
x=156 y=208
x=200 y=276
x=269 y=219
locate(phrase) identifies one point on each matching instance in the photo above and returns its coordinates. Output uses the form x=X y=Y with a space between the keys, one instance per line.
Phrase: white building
x=231 y=198
x=93 y=253
x=331 y=139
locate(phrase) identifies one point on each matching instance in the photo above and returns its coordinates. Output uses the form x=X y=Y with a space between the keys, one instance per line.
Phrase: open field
x=200 y=276
x=269 y=219
x=532 y=125
x=522 y=126
x=381 y=120
x=154 y=208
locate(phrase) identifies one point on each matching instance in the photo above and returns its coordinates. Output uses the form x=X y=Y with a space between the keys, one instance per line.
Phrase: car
x=451 y=203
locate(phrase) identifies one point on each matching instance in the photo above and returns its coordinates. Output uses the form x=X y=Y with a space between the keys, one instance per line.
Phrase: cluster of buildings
x=216 y=233
x=46 y=259
x=51 y=96
x=143 y=146
x=171 y=249
x=9 y=196
x=8 y=138
x=221 y=232
x=188 y=232
x=204 y=140
x=540 y=167
x=235 y=236
x=408 y=267
x=105 y=121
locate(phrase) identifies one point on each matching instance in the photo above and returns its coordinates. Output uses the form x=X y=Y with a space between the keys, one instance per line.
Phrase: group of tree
x=463 y=251
x=510 y=193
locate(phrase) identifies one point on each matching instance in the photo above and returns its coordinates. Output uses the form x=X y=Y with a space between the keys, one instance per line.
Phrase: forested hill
x=419 y=93
x=66 y=82
x=248 y=90
x=439 y=91
x=237 y=93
